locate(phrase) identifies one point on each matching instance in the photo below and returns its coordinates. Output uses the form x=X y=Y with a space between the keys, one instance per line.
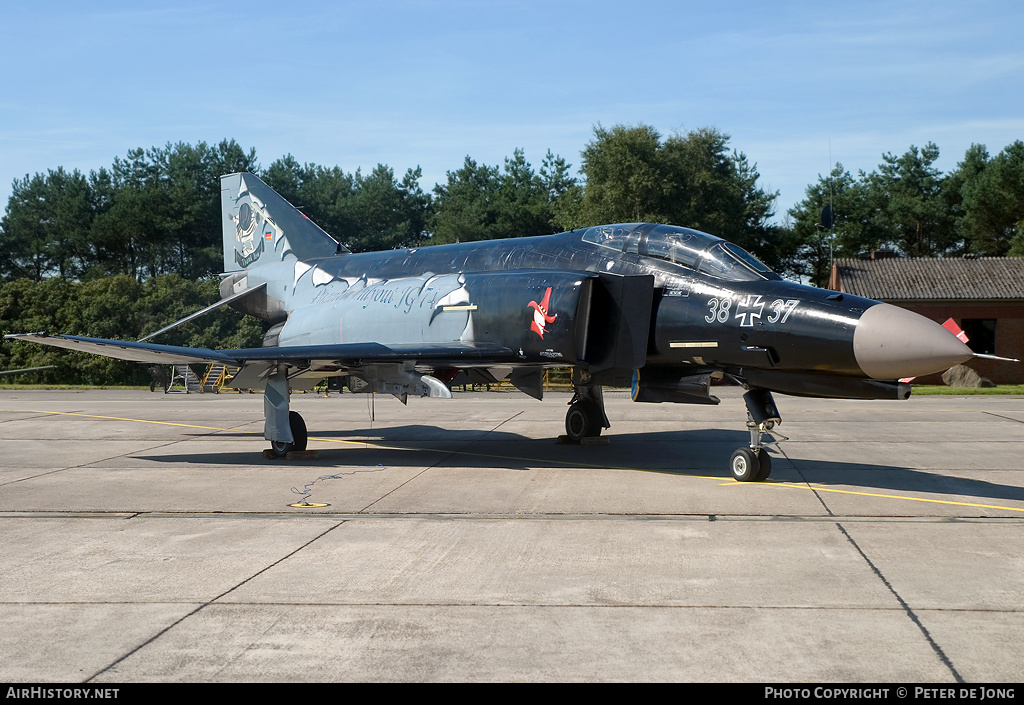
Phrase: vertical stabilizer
x=260 y=226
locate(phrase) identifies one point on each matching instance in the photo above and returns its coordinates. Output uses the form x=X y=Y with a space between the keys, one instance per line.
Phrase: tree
x=909 y=203
x=25 y=240
x=909 y=206
x=481 y=202
x=45 y=231
x=388 y=213
x=189 y=179
x=625 y=179
x=374 y=212
x=466 y=206
x=525 y=198
x=690 y=180
x=852 y=230
x=322 y=194
x=157 y=211
x=992 y=218
x=126 y=231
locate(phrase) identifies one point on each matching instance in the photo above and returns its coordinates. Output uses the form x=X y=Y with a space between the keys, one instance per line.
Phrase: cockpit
x=682 y=246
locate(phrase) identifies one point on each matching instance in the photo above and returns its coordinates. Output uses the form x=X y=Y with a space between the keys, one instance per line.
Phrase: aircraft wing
x=454 y=354
x=127 y=350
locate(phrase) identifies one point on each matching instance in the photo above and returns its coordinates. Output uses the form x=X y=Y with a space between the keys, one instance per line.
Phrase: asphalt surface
x=146 y=538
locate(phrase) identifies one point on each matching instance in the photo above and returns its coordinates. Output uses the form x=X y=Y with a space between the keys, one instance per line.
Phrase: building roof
x=931 y=278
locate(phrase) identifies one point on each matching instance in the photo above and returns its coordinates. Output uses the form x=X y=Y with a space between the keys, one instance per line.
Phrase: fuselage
x=713 y=307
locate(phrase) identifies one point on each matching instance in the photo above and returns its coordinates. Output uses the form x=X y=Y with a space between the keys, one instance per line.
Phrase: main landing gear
x=285 y=429
x=753 y=464
x=586 y=417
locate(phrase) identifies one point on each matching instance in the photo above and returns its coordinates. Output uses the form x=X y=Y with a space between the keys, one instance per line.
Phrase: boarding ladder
x=217 y=375
x=184 y=381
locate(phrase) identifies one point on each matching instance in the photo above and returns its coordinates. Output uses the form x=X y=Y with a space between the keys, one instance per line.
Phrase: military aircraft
x=660 y=308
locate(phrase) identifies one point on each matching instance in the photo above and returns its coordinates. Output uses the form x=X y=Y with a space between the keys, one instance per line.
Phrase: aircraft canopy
x=682 y=246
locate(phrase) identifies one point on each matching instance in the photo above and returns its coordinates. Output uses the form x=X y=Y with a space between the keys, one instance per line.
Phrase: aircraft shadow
x=703 y=452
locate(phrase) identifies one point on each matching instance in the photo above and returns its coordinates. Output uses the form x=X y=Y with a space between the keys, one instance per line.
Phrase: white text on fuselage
x=748 y=310
x=403 y=298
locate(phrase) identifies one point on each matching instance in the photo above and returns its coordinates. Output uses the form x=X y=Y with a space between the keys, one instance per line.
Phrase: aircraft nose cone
x=892 y=343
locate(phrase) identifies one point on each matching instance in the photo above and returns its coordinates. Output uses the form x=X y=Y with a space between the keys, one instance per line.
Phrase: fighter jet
x=660 y=308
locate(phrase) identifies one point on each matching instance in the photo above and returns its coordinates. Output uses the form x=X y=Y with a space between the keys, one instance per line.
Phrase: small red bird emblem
x=541 y=318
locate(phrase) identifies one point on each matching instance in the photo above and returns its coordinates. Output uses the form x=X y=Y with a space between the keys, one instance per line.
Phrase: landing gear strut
x=753 y=464
x=586 y=417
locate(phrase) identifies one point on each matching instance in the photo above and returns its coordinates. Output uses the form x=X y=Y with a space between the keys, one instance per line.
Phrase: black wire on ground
x=307 y=489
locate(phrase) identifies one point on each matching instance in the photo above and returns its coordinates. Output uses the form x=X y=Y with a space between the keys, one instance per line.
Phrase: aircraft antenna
x=832 y=219
x=827 y=221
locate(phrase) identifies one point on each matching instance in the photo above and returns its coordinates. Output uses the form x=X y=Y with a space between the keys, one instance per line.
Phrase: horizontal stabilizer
x=201 y=312
x=27 y=369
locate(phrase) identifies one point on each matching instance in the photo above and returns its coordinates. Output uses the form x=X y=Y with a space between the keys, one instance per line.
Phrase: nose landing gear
x=753 y=464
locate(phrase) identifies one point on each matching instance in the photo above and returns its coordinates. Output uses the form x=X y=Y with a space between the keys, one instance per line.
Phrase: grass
x=942 y=389
x=60 y=387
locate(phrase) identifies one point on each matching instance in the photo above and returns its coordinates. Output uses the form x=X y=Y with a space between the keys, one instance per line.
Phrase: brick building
x=984 y=295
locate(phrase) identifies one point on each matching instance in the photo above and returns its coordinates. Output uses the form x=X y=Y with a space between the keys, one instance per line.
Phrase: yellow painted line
x=681 y=344
x=566 y=463
x=121 y=418
x=470 y=307
x=818 y=488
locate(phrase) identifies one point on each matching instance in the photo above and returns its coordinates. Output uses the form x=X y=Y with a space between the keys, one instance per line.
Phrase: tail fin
x=259 y=225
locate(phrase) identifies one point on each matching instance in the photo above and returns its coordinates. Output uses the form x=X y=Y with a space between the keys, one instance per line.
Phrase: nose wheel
x=749 y=465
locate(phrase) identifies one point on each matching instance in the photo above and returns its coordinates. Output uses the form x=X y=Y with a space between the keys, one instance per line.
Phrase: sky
x=797 y=86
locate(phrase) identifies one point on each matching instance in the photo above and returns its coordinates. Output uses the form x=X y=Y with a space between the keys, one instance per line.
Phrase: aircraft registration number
x=749 y=309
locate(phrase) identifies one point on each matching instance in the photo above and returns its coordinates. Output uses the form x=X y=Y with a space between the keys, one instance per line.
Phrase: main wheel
x=744 y=465
x=583 y=420
x=280 y=448
x=298 y=427
x=298 y=430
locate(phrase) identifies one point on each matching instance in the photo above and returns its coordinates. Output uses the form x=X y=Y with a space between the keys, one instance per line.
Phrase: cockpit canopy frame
x=684 y=247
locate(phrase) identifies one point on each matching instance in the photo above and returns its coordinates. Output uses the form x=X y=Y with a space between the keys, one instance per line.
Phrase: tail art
x=258 y=223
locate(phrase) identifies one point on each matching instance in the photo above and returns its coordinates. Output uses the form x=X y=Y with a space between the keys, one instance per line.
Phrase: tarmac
x=146 y=539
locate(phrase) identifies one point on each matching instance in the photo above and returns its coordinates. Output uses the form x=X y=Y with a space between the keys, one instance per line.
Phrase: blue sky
x=425 y=83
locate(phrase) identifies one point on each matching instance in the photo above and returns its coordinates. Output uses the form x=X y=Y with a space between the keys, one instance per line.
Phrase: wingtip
x=16 y=336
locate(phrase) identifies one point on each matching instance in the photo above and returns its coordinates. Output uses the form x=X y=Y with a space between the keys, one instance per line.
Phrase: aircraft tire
x=298 y=427
x=764 y=462
x=298 y=430
x=280 y=448
x=744 y=465
x=583 y=420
